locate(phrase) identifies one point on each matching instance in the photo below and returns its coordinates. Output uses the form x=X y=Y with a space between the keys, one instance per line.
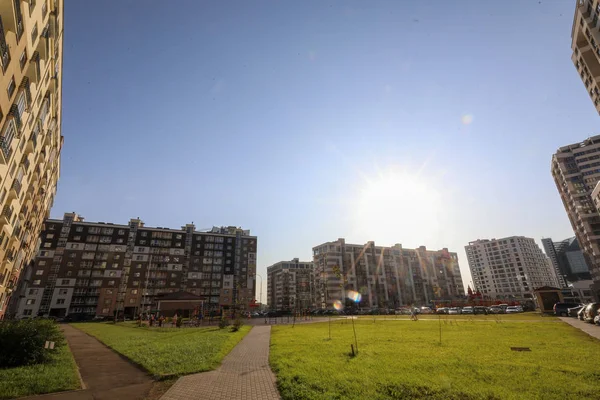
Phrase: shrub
x=237 y=324
x=179 y=322
x=22 y=342
x=223 y=323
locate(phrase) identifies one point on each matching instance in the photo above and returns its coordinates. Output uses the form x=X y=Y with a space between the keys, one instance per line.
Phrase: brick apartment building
x=96 y=268
x=387 y=277
x=290 y=285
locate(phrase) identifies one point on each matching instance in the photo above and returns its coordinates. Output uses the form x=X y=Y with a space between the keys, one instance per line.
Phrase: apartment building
x=509 y=268
x=567 y=259
x=31 y=47
x=290 y=285
x=386 y=277
x=585 y=44
x=576 y=172
x=95 y=268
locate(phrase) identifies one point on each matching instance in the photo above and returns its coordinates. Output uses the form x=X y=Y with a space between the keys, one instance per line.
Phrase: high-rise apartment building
x=567 y=259
x=386 y=277
x=585 y=43
x=576 y=171
x=95 y=268
x=509 y=268
x=31 y=46
x=290 y=285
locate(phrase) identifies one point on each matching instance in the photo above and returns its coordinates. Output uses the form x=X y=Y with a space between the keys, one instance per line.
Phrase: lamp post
x=261 y=284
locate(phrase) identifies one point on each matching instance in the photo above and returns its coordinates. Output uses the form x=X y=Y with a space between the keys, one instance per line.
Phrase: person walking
x=413 y=314
x=175 y=320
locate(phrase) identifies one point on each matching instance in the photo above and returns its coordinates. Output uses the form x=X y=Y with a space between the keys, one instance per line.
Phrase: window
x=111 y=283
x=63 y=291
x=121 y=232
x=30 y=301
x=39 y=272
x=47 y=244
x=134 y=291
x=131 y=301
x=34 y=33
x=60 y=301
x=79 y=229
x=10 y=89
x=41 y=262
x=136 y=275
x=33 y=292
x=109 y=291
x=104 y=310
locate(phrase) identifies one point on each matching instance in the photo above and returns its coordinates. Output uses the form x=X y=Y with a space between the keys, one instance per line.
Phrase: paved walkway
x=244 y=374
x=104 y=373
x=590 y=329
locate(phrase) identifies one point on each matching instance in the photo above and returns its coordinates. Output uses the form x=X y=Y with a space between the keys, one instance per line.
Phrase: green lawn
x=404 y=360
x=528 y=316
x=57 y=375
x=167 y=351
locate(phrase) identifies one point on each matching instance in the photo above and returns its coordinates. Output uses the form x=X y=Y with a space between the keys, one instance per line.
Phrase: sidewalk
x=244 y=374
x=590 y=329
x=104 y=373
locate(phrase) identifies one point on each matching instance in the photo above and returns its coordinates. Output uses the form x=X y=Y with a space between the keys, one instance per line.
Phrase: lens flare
x=338 y=305
x=354 y=296
x=467 y=119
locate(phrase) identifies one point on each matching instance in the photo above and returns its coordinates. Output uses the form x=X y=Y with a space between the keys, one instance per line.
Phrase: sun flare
x=396 y=205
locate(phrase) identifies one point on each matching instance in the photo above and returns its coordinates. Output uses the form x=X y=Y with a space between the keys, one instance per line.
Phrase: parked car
x=562 y=309
x=441 y=310
x=597 y=320
x=480 y=310
x=496 y=310
x=573 y=311
x=519 y=308
x=454 y=310
x=426 y=310
x=591 y=310
x=511 y=310
x=467 y=310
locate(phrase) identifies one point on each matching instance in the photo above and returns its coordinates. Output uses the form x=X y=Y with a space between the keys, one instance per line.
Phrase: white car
x=512 y=310
x=467 y=310
x=454 y=310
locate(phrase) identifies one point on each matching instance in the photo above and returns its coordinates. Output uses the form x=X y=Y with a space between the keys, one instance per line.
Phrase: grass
x=404 y=360
x=167 y=352
x=59 y=374
x=528 y=316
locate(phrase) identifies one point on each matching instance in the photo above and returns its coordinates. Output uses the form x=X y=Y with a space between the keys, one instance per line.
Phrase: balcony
x=15 y=189
x=6 y=215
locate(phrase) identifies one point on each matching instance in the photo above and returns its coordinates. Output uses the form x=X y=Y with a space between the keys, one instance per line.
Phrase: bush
x=237 y=324
x=22 y=342
x=223 y=323
x=179 y=322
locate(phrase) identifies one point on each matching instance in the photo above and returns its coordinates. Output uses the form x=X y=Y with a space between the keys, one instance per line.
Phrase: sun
x=398 y=206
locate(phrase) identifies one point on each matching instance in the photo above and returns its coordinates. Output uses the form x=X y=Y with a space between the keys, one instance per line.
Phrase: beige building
x=290 y=285
x=509 y=268
x=585 y=43
x=576 y=172
x=31 y=47
x=386 y=277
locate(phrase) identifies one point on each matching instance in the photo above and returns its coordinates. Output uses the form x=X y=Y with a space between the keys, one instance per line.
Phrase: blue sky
x=294 y=119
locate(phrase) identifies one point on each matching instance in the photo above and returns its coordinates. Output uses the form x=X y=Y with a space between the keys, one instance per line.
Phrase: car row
x=497 y=309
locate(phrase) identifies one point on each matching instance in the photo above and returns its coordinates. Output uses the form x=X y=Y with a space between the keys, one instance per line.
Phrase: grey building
x=567 y=259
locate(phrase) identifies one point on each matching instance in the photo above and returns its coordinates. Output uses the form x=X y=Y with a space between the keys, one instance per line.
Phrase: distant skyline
x=420 y=123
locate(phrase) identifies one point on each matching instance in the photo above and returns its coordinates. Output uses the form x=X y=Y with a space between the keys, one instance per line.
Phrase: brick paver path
x=244 y=374
x=105 y=374
x=590 y=329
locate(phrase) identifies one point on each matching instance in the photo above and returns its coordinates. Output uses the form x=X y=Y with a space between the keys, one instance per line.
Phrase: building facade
x=103 y=269
x=31 y=46
x=585 y=44
x=290 y=285
x=509 y=268
x=567 y=259
x=576 y=171
x=386 y=277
